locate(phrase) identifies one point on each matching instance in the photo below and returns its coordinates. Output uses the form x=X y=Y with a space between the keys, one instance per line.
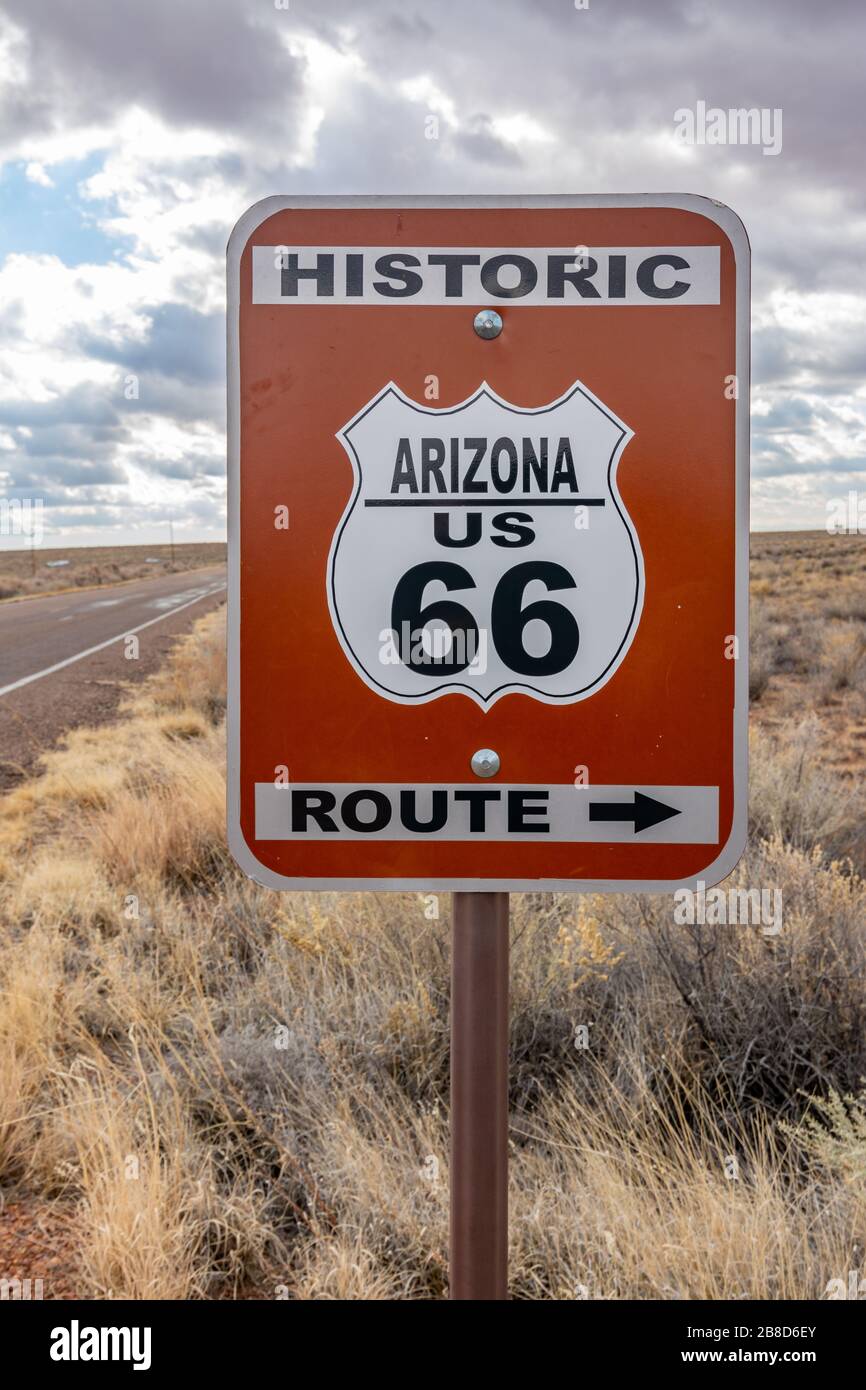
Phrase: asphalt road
x=62 y=657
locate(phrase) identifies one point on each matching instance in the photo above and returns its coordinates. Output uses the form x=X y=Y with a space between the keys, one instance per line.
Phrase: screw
x=485 y=763
x=488 y=324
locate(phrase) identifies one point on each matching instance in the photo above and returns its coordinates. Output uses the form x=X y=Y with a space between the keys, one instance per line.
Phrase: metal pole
x=479 y=1096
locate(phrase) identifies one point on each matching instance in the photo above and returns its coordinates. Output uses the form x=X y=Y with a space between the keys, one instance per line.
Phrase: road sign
x=488 y=465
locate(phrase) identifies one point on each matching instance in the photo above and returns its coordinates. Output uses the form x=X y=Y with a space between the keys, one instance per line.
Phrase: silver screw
x=488 y=324
x=485 y=763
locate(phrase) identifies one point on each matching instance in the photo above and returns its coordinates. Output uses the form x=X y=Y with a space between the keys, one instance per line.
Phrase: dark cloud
x=190 y=468
x=792 y=414
x=204 y=62
x=72 y=441
x=782 y=465
x=176 y=400
x=179 y=343
x=52 y=472
x=81 y=405
x=830 y=365
x=480 y=142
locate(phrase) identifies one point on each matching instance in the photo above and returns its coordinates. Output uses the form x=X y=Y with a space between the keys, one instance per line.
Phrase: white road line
x=128 y=632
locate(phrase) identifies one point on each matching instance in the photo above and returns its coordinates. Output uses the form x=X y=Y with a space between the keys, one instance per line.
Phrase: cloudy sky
x=133 y=133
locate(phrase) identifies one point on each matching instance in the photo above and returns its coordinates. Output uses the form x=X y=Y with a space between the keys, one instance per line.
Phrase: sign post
x=488 y=549
x=479 y=1096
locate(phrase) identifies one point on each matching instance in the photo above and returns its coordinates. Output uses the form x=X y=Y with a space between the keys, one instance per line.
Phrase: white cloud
x=37 y=173
x=426 y=92
x=521 y=128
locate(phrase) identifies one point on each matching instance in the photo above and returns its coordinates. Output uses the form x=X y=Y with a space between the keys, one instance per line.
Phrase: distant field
x=36 y=572
x=808 y=640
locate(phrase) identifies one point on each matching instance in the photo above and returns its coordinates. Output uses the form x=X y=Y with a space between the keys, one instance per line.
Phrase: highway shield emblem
x=485 y=549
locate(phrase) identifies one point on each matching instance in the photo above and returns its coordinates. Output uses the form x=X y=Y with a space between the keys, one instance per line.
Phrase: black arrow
x=645 y=811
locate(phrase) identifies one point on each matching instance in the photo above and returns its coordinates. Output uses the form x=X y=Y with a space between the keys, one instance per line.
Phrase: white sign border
x=734 y=230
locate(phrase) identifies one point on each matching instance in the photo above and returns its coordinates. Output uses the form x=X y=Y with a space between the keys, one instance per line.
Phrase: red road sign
x=532 y=544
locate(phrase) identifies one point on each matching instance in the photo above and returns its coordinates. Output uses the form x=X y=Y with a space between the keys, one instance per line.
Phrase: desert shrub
x=850 y=607
x=765 y=649
x=843 y=660
x=795 y=798
x=777 y=1013
x=760 y=1014
x=833 y=1133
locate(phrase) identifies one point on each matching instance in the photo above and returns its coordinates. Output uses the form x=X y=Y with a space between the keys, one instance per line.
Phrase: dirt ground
x=37 y=1236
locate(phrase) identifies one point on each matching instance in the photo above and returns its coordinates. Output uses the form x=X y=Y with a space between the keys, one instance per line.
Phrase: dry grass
x=247 y=1092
